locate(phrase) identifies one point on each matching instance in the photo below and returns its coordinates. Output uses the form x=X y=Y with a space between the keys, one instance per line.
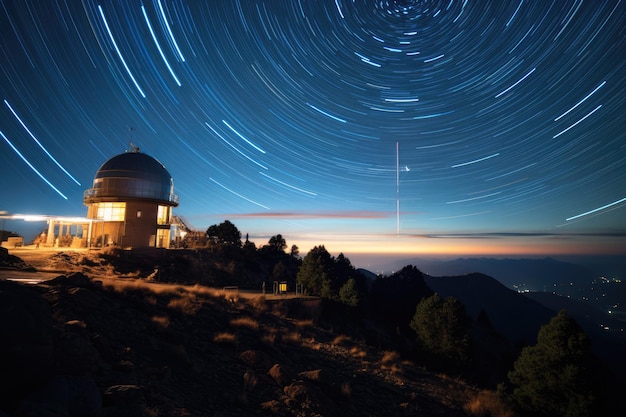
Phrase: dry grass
x=187 y=304
x=346 y=390
x=357 y=352
x=487 y=404
x=341 y=340
x=391 y=361
x=390 y=358
x=225 y=338
x=162 y=321
x=259 y=303
x=292 y=337
x=247 y=322
x=304 y=323
x=269 y=338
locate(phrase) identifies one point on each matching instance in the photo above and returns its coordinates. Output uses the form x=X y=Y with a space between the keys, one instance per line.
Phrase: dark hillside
x=76 y=347
x=512 y=315
x=607 y=334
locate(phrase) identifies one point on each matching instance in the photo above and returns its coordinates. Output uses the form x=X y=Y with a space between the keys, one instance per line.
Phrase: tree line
x=559 y=376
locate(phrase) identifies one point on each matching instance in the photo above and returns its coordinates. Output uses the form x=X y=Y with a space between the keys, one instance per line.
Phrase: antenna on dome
x=131 y=146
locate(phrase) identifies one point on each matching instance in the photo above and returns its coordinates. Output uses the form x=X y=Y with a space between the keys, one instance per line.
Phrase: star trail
x=294 y=117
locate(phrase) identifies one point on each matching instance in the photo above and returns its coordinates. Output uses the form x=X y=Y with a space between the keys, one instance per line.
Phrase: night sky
x=378 y=126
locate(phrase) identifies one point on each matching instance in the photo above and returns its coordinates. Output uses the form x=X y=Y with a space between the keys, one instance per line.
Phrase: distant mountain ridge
x=513 y=315
x=532 y=274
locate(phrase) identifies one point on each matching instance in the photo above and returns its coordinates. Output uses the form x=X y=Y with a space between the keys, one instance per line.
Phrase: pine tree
x=441 y=328
x=348 y=293
x=556 y=376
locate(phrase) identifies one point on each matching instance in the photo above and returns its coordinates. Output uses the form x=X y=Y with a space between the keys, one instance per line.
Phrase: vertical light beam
x=397 y=190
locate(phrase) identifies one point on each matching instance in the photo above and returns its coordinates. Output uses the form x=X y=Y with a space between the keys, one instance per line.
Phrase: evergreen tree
x=279 y=272
x=348 y=293
x=277 y=243
x=556 y=376
x=441 y=328
x=316 y=270
x=225 y=234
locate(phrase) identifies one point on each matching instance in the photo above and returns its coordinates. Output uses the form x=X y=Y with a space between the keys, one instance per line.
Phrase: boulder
x=77 y=279
x=280 y=375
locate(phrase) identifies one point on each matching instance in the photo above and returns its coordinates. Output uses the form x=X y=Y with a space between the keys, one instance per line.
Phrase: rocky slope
x=77 y=347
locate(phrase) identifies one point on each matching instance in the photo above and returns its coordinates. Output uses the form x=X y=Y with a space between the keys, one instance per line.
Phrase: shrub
x=248 y=322
x=487 y=404
x=225 y=338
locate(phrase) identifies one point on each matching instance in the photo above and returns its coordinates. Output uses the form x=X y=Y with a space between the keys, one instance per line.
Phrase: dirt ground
x=52 y=262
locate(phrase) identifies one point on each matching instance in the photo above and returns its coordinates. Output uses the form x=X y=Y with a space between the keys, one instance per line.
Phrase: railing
x=133 y=193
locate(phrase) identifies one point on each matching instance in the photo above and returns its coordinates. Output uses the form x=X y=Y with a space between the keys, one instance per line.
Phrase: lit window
x=163 y=236
x=163 y=215
x=112 y=212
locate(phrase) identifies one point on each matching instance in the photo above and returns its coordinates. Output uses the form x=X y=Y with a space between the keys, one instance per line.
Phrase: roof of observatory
x=132 y=175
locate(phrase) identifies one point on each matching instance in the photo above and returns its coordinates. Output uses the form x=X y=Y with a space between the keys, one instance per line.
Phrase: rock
x=254 y=359
x=298 y=391
x=84 y=298
x=280 y=375
x=316 y=375
x=276 y=408
x=123 y=395
x=77 y=279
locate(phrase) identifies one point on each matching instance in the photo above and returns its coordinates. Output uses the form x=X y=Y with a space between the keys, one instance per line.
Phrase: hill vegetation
x=205 y=331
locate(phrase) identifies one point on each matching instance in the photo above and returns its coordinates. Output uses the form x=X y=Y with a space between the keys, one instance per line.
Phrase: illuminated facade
x=131 y=202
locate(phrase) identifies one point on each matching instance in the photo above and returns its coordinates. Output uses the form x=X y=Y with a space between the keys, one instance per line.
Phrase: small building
x=130 y=203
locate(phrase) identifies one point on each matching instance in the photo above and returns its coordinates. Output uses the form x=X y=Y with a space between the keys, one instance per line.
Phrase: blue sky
x=405 y=127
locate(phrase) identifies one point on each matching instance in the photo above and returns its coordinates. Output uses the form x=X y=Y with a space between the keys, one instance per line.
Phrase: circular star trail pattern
x=412 y=117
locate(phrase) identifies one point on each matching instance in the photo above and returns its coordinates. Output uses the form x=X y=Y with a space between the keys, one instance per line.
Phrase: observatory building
x=130 y=203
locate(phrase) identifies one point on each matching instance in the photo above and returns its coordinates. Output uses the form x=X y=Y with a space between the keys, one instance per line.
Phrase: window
x=112 y=212
x=163 y=236
x=163 y=215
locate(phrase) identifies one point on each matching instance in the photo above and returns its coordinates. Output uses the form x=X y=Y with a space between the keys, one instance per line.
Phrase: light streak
x=518 y=81
x=156 y=42
x=234 y=147
x=473 y=198
x=583 y=118
x=434 y=59
x=31 y=166
x=477 y=160
x=581 y=101
x=119 y=53
x=339 y=9
x=169 y=31
x=287 y=185
x=461 y=215
x=397 y=188
x=402 y=100
x=571 y=16
x=597 y=209
x=326 y=114
x=239 y=195
x=514 y=13
x=243 y=137
x=39 y=143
